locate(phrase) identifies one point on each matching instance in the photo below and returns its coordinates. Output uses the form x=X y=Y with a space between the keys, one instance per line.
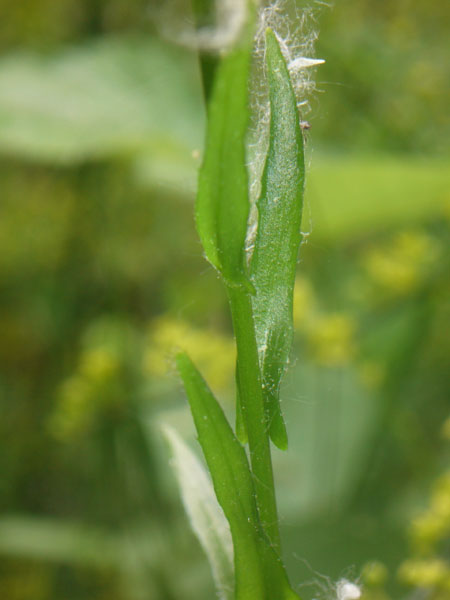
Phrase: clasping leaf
x=259 y=572
x=222 y=205
x=232 y=479
x=278 y=236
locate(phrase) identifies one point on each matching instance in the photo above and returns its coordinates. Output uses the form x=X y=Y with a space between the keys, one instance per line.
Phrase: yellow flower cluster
x=399 y=267
x=330 y=337
x=99 y=364
x=431 y=573
x=214 y=354
x=446 y=429
x=112 y=352
x=374 y=574
x=82 y=395
x=433 y=525
x=98 y=380
x=428 y=570
x=305 y=303
x=425 y=570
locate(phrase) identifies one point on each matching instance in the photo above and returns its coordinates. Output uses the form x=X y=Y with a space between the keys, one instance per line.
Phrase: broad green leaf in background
x=141 y=98
x=352 y=196
x=128 y=97
x=41 y=538
x=278 y=236
x=132 y=551
x=206 y=516
x=222 y=205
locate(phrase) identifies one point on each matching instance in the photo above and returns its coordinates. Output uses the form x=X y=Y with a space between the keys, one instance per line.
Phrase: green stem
x=204 y=14
x=251 y=398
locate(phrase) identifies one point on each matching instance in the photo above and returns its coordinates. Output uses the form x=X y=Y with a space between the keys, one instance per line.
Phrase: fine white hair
x=294 y=27
x=346 y=590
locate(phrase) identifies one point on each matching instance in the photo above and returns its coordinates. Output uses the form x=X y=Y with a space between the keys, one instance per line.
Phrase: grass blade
x=278 y=236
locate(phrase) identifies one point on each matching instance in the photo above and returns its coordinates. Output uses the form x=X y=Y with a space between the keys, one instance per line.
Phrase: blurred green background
x=102 y=274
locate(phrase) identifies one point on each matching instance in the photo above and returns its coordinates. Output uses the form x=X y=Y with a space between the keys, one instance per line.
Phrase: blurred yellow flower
x=331 y=339
x=97 y=380
x=434 y=524
x=446 y=429
x=374 y=574
x=425 y=573
x=399 y=266
x=98 y=364
x=214 y=354
x=304 y=302
x=74 y=408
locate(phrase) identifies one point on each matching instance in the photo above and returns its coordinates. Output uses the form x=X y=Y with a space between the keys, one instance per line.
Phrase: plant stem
x=251 y=398
x=204 y=14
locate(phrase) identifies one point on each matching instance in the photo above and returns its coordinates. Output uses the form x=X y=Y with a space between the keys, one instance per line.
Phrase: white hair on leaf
x=302 y=62
x=294 y=27
x=346 y=590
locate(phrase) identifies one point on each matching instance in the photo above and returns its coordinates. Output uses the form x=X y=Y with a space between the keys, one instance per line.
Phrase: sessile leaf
x=259 y=572
x=222 y=205
x=232 y=479
x=278 y=236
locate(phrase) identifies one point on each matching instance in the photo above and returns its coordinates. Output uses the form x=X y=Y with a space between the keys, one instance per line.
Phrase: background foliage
x=101 y=275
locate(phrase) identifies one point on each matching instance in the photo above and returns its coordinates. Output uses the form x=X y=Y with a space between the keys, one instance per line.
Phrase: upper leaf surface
x=232 y=480
x=278 y=235
x=222 y=205
x=259 y=572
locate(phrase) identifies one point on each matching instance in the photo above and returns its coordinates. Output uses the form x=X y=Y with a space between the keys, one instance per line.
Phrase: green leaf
x=206 y=516
x=250 y=411
x=116 y=96
x=259 y=572
x=222 y=205
x=232 y=479
x=278 y=236
x=49 y=539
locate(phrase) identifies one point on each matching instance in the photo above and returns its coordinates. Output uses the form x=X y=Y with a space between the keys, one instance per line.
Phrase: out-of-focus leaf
x=336 y=418
x=49 y=539
x=351 y=196
x=278 y=236
x=116 y=96
x=130 y=552
x=167 y=167
x=222 y=201
x=206 y=516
